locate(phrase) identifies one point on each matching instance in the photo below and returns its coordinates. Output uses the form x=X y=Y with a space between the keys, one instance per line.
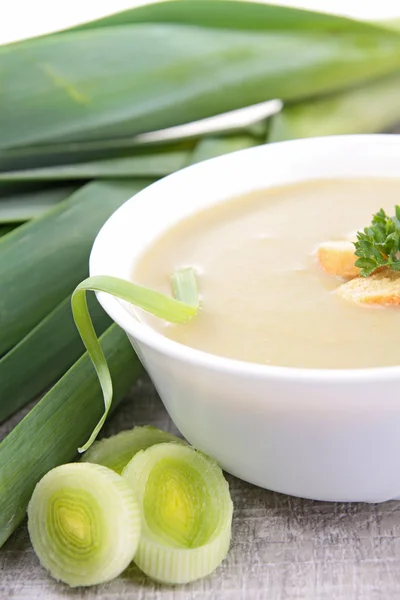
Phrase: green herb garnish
x=379 y=244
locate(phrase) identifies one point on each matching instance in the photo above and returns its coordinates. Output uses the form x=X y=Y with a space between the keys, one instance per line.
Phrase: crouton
x=338 y=258
x=380 y=288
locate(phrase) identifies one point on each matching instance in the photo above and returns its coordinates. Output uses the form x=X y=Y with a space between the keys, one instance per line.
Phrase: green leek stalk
x=370 y=108
x=21 y=207
x=144 y=153
x=154 y=163
x=43 y=356
x=84 y=524
x=4 y=229
x=42 y=261
x=392 y=24
x=128 y=167
x=212 y=147
x=87 y=152
x=89 y=84
x=231 y=14
x=140 y=148
x=63 y=420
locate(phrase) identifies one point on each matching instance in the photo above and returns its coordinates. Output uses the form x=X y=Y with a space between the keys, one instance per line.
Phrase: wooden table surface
x=282 y=547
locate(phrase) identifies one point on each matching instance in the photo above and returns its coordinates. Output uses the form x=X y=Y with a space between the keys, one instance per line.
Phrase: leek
x=186 y=512
x=45 y=353
x=84 y=523
x=184 y=286
x=116 y=451
x=42 y=261
x=149 y=300
x=87 y=152
x=216 y=146
x=89 y=84
x=232 y=14
x=371 y=108
x=128 y=167
x=249 y=122
x=21 y=207
x=4 y=229
x=392 y=24
x=51 y=432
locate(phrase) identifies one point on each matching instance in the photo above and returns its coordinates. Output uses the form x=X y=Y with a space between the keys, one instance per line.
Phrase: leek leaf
x=151 y=165
x=71 y=153
x=4 y=229
x=211 y=147
x=18 y=208
x=149 y=300
x=84 y=523
x=371 y=108
x=235 y=15
x=51 y=432
x=249 y=121
x=392 y=24
x=43 y=260
x=43 y=356
x=89 y=84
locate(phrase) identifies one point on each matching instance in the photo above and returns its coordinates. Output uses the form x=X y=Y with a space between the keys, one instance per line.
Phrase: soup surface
x=264 y=297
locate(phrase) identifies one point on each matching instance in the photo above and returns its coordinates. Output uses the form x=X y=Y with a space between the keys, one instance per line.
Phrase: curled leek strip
x=84 y=523
x=116 y=451
x=186 y=512
x=149 y=300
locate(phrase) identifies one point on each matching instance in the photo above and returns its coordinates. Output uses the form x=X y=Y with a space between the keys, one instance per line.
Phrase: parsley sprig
x=379 y=244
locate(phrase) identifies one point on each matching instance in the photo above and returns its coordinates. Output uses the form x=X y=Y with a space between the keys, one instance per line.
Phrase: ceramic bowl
x=316 y=433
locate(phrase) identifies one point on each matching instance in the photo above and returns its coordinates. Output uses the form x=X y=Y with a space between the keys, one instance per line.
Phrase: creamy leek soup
x=264 y=297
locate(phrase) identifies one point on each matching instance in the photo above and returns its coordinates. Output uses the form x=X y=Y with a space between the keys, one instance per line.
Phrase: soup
x=264 y=297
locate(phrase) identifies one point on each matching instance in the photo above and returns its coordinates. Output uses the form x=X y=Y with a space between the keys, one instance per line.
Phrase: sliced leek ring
x=186 y=512
x=84 y=523
x=116 y=451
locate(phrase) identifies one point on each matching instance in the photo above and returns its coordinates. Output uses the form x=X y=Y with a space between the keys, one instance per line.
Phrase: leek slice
x=116 y=451
x=184 y=286
x=84 y=523
x=186 y=512
x=154 y=302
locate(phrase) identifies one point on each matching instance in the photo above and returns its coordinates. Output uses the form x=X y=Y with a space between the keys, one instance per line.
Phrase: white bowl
x=315 y=433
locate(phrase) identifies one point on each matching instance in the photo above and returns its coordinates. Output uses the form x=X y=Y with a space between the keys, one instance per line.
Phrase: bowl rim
x=141 y=331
